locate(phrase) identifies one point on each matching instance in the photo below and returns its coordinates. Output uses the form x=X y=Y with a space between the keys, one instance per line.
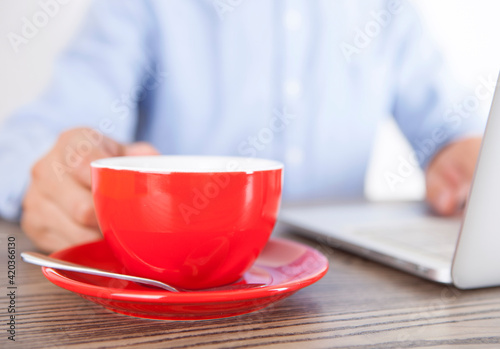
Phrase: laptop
x=462 y=251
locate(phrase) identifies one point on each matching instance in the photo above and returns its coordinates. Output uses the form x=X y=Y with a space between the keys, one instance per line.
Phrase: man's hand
x=449 y=176
x=58 y=209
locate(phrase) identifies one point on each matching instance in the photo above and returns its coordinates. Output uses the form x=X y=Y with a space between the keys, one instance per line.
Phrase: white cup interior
x=187 y=164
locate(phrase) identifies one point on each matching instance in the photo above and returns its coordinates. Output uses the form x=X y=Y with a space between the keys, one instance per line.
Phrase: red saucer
x=283 y=268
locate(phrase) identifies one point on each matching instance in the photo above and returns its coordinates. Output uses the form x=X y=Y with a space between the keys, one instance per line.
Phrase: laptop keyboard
x=433 y=236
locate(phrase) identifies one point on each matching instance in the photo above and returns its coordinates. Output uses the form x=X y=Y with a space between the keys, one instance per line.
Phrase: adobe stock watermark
x=280 y=120
x=30 y=27
x=74 y=155
x=223 y=7
x=453 y=119
x=366 y=34
x=122 y=107
x=248 y=149
x=202 y=197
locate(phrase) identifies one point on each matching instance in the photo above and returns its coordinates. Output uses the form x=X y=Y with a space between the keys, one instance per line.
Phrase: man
x=304 y=82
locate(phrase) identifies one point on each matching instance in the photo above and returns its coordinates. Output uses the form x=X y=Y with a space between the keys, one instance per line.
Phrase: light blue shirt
x=305 y=82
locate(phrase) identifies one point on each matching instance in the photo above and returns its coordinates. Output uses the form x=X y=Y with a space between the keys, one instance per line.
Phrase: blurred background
x=467 y=31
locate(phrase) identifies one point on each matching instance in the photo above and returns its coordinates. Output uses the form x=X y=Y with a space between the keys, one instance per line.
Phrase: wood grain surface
x=358 y=304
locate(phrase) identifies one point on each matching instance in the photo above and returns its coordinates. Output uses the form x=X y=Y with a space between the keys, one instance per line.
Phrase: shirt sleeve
x=98 y=81
x=430 y=108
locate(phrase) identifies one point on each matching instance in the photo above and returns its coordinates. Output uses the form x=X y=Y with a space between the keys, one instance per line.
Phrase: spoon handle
x=45 y=261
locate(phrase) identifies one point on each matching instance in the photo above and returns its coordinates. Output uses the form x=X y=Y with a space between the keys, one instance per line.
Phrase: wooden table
x=357 y=304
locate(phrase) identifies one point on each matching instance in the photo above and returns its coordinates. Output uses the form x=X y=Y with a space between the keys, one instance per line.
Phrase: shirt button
x=292 y=88
x=294 y=156
x=293 y=20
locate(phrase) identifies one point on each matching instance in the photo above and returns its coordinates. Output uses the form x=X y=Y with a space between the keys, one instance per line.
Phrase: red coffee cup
x=191 y=221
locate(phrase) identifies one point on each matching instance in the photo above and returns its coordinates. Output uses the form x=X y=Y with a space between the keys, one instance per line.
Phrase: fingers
x=49 y=227
x=140 y=148
x=77 y=149
x=70 y=195
x=80 y=152
x=444 y=196
x=78 y=205
x=467 y=153
x=449 y=176
x=58 y=208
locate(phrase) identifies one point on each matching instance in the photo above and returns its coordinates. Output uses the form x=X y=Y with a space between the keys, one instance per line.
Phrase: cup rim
x=188 y=164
